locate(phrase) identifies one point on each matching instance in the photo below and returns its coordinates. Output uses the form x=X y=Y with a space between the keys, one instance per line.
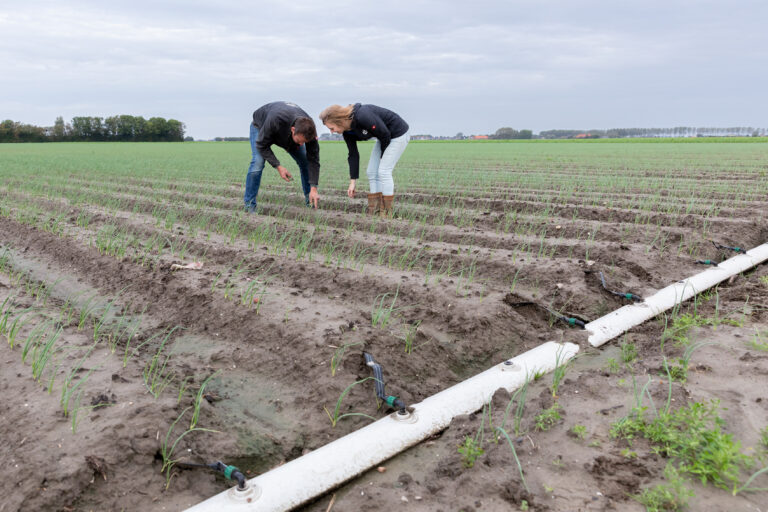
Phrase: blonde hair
x=338 y=115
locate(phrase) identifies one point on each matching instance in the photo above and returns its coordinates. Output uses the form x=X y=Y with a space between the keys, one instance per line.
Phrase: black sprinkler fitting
x=571 y=321
x=628 y=296
x=721 y=246
x=707 y=262
x=230 y=472
x=378 y=377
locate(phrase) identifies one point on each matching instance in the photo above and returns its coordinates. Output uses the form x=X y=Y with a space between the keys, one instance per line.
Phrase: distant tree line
x=678 y=131
x=122 y=128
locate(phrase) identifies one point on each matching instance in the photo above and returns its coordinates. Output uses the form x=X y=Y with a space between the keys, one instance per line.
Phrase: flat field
x=117 y=369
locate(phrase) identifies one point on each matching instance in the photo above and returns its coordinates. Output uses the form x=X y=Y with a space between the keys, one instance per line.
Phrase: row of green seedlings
x=42 y=350
x=113 y=329
x=529 y=178
x=113 y=241
x=109 y=240
x=49 y=193
x=118 y=242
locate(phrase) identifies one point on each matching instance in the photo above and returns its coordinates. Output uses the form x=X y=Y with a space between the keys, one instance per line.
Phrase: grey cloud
x=449 y=66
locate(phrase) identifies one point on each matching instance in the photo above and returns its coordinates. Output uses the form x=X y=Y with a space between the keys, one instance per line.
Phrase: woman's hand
x=351 y=189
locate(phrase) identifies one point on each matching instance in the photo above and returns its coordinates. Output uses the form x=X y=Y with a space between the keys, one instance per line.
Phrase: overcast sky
x=470 y=66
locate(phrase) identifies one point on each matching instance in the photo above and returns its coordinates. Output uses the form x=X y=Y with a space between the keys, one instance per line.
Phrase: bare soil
x=266 y=403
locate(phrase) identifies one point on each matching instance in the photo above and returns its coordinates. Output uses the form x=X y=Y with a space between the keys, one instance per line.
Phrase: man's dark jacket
x=274 y=121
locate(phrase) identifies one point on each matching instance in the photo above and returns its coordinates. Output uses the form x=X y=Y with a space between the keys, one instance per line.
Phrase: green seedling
x=69 y=388
x=409 y=335
x=338 y=355
x=18 y=322
x=167 y=450
x=503 y=432
x=156 y=374
x=759 y=340
x=199 y=399
x=561 y=367
x=42 y=354
x=337 y=416
x=518 y=398
x=87 y=310
x=380 y=312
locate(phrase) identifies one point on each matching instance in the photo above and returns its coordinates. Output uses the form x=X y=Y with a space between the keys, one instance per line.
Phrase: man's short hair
x=305 y=127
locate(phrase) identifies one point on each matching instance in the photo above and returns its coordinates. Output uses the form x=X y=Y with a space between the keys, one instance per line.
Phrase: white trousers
x=380 y=166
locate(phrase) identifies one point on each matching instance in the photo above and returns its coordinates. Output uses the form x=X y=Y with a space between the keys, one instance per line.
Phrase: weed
x=548 y=417
x=579 y=431
x=470 y=450
x=612 y=366
x=693 y=437
x=628 y=352
x=670 y=496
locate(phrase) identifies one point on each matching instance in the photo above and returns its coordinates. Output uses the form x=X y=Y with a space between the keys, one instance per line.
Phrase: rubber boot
x=374 y=203
x=387 y=206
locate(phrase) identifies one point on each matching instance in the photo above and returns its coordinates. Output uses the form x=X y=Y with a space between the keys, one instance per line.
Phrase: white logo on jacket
x=365 y=132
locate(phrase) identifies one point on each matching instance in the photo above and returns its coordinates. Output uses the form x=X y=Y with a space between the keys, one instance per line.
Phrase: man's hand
x=351 y=189
x=314 y=197
x=284 y=173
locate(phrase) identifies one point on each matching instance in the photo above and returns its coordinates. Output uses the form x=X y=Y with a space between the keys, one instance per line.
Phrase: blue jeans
x=253 y=178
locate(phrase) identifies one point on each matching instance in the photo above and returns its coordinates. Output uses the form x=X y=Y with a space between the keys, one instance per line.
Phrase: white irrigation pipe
x=613 y=324
x=313 y=474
